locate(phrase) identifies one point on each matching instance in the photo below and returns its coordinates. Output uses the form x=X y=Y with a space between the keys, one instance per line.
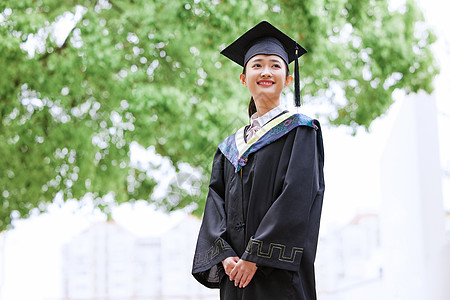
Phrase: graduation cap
x=266 y=39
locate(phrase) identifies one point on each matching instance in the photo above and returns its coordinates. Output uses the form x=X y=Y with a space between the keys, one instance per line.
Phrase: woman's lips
x=265 y=82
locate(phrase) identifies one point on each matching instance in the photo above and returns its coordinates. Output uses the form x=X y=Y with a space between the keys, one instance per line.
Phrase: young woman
x=259 y=233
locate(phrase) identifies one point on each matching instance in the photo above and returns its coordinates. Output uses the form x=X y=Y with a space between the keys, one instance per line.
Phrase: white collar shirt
x=257 y=122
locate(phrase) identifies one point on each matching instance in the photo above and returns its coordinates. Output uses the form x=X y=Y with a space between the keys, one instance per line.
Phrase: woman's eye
x=256 y=66
x=276 y=66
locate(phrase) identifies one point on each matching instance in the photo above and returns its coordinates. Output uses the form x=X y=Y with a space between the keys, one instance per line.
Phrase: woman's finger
x=233 y=273
x=248 y=279
x=238 y=278
x=243 y=280
x=229 y=263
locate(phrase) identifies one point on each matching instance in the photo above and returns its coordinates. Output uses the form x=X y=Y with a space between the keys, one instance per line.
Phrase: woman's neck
x=263 y=107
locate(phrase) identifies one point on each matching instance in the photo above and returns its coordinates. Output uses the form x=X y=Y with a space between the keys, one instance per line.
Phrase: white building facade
x=107 y=262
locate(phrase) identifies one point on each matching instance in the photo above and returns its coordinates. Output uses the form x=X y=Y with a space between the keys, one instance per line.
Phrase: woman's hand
x=229 y=263
x=242 y=273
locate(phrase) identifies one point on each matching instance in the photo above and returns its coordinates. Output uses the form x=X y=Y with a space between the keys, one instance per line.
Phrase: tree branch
x=58 y=50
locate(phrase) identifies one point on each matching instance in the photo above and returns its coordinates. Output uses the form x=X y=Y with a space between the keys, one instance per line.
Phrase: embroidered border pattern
x=281 y=251
x=218 y=247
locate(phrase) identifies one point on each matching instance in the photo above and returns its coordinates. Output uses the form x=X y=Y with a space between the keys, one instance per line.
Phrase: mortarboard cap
x=264 y=38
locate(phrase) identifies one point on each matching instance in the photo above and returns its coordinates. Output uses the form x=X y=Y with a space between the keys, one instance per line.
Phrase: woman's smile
x=265 y=82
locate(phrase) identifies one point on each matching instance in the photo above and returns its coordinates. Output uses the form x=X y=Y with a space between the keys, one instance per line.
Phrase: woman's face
x=265 y=77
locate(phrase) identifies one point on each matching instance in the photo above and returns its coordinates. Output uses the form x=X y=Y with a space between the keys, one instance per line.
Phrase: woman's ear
x=242 y=78
x=289 y=79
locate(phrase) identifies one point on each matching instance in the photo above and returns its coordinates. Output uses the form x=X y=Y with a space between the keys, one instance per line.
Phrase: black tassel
x=298 y=102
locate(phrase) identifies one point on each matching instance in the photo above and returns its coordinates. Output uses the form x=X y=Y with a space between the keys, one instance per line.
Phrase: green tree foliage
x=150 y=71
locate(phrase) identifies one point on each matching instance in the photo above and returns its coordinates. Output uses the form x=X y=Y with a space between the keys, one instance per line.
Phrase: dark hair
x=251 y=104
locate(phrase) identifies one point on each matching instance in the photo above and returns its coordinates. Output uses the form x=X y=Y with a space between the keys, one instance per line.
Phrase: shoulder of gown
x=237 y=150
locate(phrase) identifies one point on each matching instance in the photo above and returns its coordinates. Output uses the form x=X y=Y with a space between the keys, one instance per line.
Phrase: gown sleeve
x=287 y=236
x=212 y=247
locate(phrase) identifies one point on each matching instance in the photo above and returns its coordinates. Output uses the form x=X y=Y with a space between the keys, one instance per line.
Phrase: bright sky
x=32 y=252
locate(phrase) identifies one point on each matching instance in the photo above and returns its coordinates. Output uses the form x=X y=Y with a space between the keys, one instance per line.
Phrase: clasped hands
x=241 y=271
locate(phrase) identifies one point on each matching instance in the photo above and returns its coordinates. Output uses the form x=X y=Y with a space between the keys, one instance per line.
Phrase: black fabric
x=267 y=46
x=269 y=214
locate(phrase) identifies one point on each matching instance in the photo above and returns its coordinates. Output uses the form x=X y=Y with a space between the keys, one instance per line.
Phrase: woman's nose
x=266 y=72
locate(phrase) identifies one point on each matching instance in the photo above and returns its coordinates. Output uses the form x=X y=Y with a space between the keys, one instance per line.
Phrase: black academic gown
x=264 y=206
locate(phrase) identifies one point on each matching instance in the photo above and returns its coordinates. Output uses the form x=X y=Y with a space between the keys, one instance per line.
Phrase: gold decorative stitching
x=281 y=251
x=218 y=246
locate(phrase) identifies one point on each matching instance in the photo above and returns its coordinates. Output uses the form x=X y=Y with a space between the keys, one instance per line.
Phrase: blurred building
x=447 y=226
x=108 y=262
x=348 y=263
x=416 y=253
x=406 y=253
